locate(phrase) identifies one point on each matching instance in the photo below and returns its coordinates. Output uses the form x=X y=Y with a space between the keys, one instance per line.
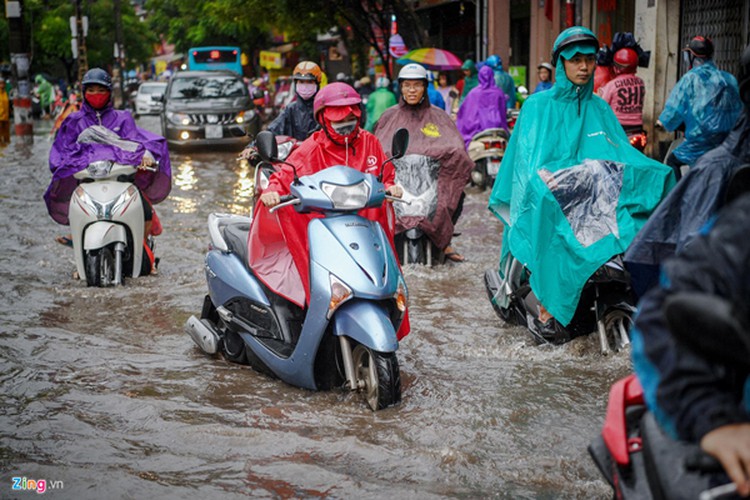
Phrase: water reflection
x=243 y=189
x=185 y=178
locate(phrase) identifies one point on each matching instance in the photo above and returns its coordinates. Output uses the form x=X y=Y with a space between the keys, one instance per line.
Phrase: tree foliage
x=48 y=26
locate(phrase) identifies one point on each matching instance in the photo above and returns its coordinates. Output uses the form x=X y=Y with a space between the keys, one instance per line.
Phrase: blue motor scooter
x=346 y=334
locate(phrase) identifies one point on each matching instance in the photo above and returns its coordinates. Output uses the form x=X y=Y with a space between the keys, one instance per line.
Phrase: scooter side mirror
x=400 y=143
x=265 y=142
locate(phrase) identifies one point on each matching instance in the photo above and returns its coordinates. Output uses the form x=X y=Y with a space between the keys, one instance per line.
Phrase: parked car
x=147 y=98
x=208 y=108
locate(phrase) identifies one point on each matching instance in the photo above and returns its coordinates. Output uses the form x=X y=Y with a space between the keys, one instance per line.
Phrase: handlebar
x=285 y=201
x=400 y=200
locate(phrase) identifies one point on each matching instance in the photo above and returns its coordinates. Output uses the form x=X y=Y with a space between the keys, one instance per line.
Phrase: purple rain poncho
x=483 y=108
x=68 y=157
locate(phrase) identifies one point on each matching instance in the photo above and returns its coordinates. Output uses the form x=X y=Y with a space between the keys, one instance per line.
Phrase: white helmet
x=382 y=82
x=412 y=71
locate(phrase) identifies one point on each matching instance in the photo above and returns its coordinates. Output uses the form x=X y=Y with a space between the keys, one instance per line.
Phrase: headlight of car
x=244 y=116
x=178 y=118
x=347 y=197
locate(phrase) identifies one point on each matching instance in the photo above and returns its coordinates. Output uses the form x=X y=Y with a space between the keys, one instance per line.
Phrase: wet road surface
x=104 y=396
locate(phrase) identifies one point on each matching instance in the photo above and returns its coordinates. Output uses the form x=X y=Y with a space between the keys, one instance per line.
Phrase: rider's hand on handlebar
x=730 y=444
x=270 y=198
x=246 y=154
x=147 y=160
x=395 y=191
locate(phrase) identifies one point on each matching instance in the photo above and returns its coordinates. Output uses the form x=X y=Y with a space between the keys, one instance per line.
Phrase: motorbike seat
x=236 y=236
x=501 y=132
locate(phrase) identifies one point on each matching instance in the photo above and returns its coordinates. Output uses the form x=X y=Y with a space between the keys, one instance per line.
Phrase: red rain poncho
x=278 y=247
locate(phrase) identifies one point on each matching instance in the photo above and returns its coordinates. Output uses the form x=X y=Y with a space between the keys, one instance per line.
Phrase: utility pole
x=21 y=63
x=79 y=29
x=120 y=52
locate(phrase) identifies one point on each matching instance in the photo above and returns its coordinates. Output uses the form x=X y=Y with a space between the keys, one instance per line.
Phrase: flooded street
x=104 y=395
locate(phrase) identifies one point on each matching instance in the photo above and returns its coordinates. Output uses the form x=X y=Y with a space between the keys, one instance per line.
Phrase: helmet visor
x=578 y=48
x=339 y=113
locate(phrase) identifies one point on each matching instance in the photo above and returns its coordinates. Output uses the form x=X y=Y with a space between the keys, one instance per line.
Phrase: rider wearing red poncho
x=340 y=141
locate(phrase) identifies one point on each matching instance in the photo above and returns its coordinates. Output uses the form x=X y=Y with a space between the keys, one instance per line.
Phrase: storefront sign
x=270 y=60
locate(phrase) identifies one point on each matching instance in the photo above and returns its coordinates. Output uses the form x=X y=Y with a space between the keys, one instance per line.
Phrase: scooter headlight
x=123 y=202
x=284 y=149
x=350 y=197
x=340 y=293
x=99 y=169
x=104 y=211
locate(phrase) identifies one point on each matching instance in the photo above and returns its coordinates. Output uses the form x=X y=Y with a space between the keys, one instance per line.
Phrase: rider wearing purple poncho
x=484 y=107
x=68 y=156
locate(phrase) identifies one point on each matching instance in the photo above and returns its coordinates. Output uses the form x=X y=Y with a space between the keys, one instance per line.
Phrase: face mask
x=97 y=101
x=344 y=128
x=306 y=90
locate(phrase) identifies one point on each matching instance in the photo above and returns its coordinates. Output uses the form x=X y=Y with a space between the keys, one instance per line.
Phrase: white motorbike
x=106 y=223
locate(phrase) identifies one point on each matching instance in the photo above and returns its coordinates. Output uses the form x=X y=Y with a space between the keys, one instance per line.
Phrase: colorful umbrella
x=431 y=58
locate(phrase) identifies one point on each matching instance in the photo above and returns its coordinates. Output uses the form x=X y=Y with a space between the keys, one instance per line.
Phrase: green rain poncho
x=565 y=213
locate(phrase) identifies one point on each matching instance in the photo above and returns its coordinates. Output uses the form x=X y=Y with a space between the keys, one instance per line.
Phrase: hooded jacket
x=68 y=157
x=296 y=120
x=432 y=134
x=483 y=108
x=470 y=81
x=690 y=394
x=565 y=130
x=695 y=199
x=707 y=101
x=377 y=103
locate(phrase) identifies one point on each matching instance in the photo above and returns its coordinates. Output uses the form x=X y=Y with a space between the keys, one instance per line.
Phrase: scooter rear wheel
x=234 y=348
x=378 y=377
x=100 y=267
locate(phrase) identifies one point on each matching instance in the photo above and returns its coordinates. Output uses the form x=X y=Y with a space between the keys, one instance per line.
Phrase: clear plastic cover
x=588 y=195
x=418 y=176
x=98 y=134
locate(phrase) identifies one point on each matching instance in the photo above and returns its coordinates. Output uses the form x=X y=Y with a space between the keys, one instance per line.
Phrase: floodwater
x=104 y=396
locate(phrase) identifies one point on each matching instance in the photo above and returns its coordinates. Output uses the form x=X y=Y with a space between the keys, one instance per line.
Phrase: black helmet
x=701 y=46
x=97 y=76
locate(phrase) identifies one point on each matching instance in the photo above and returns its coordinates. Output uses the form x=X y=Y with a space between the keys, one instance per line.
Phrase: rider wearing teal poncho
x=560 y=129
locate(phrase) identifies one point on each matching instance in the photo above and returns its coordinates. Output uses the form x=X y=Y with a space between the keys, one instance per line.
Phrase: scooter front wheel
x=377 y=377
x=100 y=267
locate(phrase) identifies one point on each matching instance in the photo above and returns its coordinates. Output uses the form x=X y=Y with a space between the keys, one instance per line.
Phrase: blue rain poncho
x=572 y=192
x=707 y=101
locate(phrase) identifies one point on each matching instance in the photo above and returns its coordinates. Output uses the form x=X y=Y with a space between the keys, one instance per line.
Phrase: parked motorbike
x=347 y=333
x=106 y=221
x=486 y=150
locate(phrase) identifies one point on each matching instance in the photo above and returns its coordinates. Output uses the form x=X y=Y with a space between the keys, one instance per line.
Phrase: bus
x=207 y=58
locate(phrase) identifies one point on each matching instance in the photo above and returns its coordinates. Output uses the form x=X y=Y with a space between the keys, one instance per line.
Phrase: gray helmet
x=97 y=76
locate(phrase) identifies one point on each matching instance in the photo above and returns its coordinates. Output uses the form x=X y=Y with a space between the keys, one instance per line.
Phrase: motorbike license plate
x=493 y=167
x=214 y=132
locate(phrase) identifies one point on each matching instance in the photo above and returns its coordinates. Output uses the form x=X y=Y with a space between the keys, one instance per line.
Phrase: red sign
x=396 y=46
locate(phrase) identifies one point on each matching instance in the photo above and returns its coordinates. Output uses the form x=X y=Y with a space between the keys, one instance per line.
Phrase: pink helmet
x=335 y=94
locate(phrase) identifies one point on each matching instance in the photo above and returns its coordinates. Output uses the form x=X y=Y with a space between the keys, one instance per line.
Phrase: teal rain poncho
x=566 y=214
